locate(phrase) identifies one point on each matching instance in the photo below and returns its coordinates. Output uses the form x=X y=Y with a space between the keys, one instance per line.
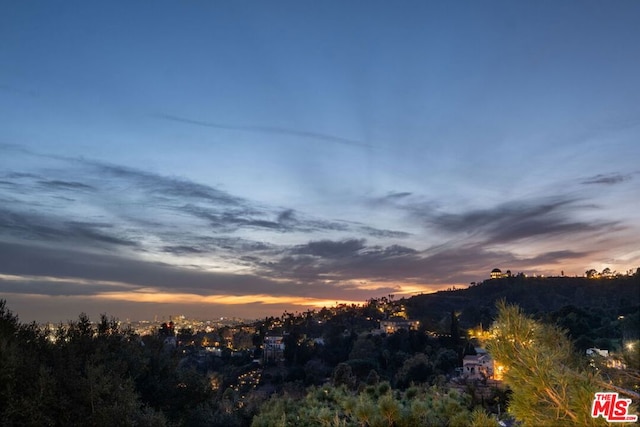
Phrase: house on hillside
x=610 y=361
x=481 y=366
x=394 y=325
x=596 y=351
x=273 y=348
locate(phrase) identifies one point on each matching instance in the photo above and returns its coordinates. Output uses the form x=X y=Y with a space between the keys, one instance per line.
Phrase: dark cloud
x=239 y=245
x=389 y=234
x=136 y=200
x=36 y=286
x=343 y=261
x=66 y=185
x=611 y=179
x=287 y=216
x=89 y=232
x=519 y=220
x=20 y=175
x=260 y=223
x=331 y=249
x=163 y=185
x=182 y=250
x=131 y=214
x=350 y=266
x=65 y=263
x=267 y=129
x=400 y=195
x=554 y=257
x=391 y=199
x=136 y=209
x=311 y=224
x=230 y=220
x=33 y=226
x=397 y=250
x=70 y=265
x=397 y=263
x=8 y=183
x=287 y=221
x=224 y=212
x=352 y=259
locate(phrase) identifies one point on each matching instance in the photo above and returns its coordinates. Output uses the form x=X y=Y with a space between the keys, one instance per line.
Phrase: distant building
x=481 y=366
x=392 y=326
x=496 y=273
x=273 y=348
x=610 y=361
x=596 y=351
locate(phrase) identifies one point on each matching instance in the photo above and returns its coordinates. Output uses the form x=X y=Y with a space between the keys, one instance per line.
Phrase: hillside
x=536 y=295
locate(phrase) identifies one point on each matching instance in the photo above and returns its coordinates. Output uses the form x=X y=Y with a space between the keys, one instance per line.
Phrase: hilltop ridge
x=535 y=295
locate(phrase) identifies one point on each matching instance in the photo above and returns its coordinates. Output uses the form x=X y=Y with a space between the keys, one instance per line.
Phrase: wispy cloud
x=159 y=185
x=52 y=286
x=517 y=220
x=91 y=206
x=182 y=250
x=37 y=227
x=79 y=267
x=610 y=179
x=553 y=257
x=266 y=129
x=99 y=229
x=380 y=233
x=65 y=185
x=331 y=249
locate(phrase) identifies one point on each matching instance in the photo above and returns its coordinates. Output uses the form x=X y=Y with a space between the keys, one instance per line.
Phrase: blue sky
x=243 y=158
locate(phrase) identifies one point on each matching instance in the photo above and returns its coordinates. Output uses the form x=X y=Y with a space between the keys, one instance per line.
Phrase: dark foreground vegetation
x=337 y=367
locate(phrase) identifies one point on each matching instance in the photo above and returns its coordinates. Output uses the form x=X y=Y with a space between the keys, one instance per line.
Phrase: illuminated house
x=392 y=326
x=610 y=361
x=596 y=351
x=496 y=273
x=478 y=367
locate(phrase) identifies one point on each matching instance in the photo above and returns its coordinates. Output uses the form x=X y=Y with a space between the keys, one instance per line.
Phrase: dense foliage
x=86 y=378
x=373 y=405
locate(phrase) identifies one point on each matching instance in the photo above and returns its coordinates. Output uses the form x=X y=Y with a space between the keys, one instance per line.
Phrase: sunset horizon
x=246 y=159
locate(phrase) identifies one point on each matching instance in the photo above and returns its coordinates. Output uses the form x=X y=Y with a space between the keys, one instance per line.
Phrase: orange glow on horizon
x=410 y=289
x=399 y=289
x=149 y=296
x=126 y=292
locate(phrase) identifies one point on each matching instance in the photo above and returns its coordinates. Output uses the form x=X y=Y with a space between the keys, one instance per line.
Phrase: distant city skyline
x=243 y=159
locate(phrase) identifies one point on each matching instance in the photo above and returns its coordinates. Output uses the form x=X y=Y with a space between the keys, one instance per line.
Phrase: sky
x=245 y=158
